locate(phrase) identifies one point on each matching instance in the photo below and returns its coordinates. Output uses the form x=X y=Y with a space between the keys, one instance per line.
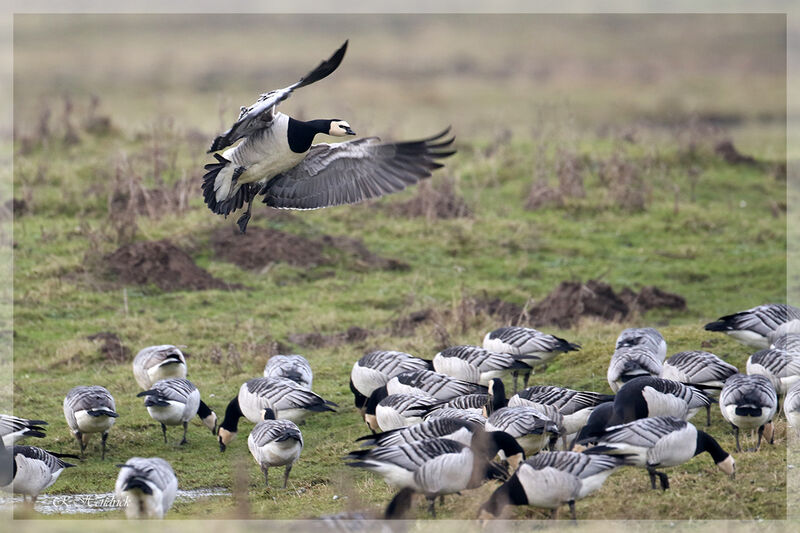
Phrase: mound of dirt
x=111 y=347
x=160 y=263
x=651 y=298
x=731 y=155
x=440 y=202
x=259 y=247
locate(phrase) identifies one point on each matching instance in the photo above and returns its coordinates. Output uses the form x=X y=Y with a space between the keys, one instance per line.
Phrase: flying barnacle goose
x=90 y=410
x=703 y=369
x=29 y=470
x=661 y=442
x=478 y=365
x=532 y=428
x=376 y=368
x=285 y=397
x=275 y=443
x=148 y=487
x=517 y=340
x=294 y=367
x=780 y=366
x=749 y=402
x=13 y=429
x=791 y=407
x=465 y=415
x=629 y=362
x=753 y=326
x=436 y=467
x=648 y=338
x=550 y=480
x=158 y=362
x=391 y=411
x=175 y=401
x=434 y=384
x=278 y=161
x=435 y=428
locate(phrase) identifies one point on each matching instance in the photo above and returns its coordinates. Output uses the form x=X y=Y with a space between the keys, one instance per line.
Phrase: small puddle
x=99 y=503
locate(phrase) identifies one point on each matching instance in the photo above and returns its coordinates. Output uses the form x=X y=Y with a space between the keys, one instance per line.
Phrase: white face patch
x=340 y=128
x=728 y=465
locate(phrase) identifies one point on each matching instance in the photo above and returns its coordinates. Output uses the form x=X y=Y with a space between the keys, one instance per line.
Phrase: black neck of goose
x=707 y=443
x=497 y=395
x=500 y=440
x=232 y=415
x=203 y=410
x=374 y=399
x=360 y=399
x=301 y=134
x=509 y=493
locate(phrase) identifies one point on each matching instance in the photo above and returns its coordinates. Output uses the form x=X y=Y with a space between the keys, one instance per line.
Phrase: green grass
x=720 y=243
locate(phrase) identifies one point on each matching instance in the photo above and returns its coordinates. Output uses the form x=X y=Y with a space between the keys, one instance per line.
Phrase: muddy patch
x=111 y=347
x=261 y=247
x=731 y=155
x=162 y=264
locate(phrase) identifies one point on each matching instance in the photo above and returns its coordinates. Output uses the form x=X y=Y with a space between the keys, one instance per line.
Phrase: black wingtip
x=326 y=68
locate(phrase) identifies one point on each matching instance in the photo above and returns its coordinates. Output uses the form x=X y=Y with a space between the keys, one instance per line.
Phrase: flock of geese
x=446 y=425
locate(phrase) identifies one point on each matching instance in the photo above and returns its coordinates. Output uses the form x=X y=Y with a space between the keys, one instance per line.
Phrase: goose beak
x=349 y=131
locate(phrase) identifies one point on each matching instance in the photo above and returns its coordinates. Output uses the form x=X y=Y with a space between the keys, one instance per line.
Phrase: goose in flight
x=278 y=160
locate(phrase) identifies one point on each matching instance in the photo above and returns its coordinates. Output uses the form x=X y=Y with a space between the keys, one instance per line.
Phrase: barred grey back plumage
x=294 y=367
x=439 y=386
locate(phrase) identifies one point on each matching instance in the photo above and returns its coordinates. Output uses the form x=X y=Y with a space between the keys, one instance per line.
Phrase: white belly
x=93 y=424
x=172 y=415
x=32 y=477
x=276 y=453
x=166 y=371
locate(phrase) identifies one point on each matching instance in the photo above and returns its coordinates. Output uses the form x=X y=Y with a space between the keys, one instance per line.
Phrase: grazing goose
x=648 y=338
x=278 y=161
x=532 y=343
x=630 y=362
x=753 y=326
x=661 y=442
x=433 y=384
x=749 y=402
x=703 y=369
x=477 y=365
x=436 y=467
x=90 y=410
x=147 y=485
x=294 y=367
x=175 y=401
x=435 y=428
x=575 y=406
x=394 y=411
x=285 y=397
x=376 y=368
x=550 y=480
x=29 y=470
x=781 y=367
x=465 y=415
x=13 y=429
x=532 y=428
x=275 y=443
x=154 y=363
x=595 y=426
x=791 y=407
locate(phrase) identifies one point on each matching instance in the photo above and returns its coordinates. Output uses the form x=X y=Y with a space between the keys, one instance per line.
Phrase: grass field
x=586 y=150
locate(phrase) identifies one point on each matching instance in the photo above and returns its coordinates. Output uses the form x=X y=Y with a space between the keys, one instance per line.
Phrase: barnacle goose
x=630 y=362
x=532 y=428
x=661 y=442
x=703 y=369
x=780 y=366
x=753 y=326
x=478 y=365
x=550 y=480
x=13 y=429
x=386 y=411
x=749 y=402
x=648 y=338
x=294 y=367
x=275 y=443
x=791 y=407
x=148 y=486
x=285 y=397
x=90 y=410
x=516 y=340
x=158 y=362
x=434 y=384
x=575 y=406
x=175 y=401
x=29 y=470
x=278 y=161
x=435 y=428
x=376 y=368
x=436 y=467
x=789 y=341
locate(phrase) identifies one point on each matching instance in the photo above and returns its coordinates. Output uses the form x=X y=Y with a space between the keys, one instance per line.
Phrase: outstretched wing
x=354 y=171
x=259 y=115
